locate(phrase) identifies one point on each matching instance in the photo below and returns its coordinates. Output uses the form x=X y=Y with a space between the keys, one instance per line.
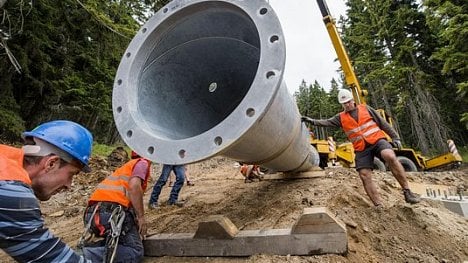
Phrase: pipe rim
x=222 y=136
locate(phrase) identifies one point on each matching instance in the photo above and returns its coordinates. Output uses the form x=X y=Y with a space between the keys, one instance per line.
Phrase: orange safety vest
x=245 y=167
x=11 y=165
x=115 y=187
x=362 y=131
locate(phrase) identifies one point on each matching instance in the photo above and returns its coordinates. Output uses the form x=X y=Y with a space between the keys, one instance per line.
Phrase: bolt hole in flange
x=182 y=154
x=250 y=112
x=274 y=39
x=218 y=140
x=151 y=150
x=270 y=74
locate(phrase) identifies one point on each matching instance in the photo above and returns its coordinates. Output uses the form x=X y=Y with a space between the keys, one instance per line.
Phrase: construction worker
x=52 y=154
x=115 y=217
x=179 y=171
x=365 y=129
x=250 y=172
x=117 y=158
x=187 y=179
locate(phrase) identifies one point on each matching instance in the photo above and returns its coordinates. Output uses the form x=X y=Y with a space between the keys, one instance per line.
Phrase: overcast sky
x=309 y=52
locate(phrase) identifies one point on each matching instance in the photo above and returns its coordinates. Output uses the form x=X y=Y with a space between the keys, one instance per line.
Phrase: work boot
x=410 y=197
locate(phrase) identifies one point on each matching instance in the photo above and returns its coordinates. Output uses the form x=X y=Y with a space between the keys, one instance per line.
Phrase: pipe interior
x=198 y=71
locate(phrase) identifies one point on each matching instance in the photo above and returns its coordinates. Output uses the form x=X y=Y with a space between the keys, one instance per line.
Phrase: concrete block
x=459 y=207
x=216 y=227
x=316 y=232
x=318 y=220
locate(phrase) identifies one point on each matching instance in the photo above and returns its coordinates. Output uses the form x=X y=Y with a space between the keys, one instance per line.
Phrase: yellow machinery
x=344 y=153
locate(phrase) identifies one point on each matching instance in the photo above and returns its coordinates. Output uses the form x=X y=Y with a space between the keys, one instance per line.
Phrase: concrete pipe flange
x=204 y=78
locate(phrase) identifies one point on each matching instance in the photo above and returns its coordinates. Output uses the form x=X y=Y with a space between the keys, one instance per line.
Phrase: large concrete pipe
x=204 y=78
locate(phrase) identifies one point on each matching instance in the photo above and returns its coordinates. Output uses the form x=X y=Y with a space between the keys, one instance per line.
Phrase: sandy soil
x=426 y=232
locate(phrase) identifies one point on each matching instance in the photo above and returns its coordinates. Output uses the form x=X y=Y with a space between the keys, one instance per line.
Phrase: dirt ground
x=426 y=232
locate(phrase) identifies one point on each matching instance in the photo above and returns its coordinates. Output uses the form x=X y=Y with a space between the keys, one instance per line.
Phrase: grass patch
x=105 y=150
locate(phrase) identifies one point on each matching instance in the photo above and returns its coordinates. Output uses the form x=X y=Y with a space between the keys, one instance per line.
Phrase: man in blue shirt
x=53 y=153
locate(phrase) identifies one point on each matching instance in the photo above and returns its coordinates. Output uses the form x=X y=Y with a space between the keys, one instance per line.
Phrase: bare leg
x=371 y=189
x=395 y=167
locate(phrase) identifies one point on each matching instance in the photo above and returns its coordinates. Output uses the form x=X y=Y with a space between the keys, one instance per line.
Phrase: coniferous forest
x=58 y=60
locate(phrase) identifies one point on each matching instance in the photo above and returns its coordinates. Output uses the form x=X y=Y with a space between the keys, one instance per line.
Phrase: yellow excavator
x=329 y=152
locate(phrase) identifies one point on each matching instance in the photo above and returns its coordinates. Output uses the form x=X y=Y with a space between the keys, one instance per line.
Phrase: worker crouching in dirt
x=115 y=218
x=53 y=153
x=365 y=129
x=251 y=172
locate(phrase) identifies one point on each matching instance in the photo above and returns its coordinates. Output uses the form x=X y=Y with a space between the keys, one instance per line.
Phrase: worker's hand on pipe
x=397 y=143
x=307 y=119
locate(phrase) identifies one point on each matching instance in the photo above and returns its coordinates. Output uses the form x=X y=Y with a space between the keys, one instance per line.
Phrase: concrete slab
x=459 y=207
x=432 y=190
x=316 y=232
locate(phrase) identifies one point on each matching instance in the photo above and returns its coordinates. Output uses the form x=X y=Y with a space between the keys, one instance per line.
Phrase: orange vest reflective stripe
x=11 y=165
x=362 y=131
x=114 y=188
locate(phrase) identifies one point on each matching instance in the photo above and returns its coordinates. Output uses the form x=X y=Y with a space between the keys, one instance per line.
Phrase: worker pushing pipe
x=204 y=78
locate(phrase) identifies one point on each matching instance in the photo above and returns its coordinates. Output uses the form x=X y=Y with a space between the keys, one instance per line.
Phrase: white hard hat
x=344 y=96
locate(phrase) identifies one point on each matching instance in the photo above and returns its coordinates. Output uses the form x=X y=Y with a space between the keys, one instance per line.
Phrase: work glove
x=397 y=143
x=307 y=119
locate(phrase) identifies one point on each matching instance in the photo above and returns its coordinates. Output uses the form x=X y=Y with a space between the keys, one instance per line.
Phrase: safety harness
x=94 y=228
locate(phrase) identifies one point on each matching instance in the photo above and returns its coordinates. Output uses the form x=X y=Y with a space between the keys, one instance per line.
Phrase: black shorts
x=365 y=159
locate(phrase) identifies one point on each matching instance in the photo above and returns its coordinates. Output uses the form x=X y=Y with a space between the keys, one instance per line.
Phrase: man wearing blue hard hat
x=52 y=154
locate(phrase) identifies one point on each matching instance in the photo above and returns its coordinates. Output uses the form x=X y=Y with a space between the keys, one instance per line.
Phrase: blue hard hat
x=68 y=136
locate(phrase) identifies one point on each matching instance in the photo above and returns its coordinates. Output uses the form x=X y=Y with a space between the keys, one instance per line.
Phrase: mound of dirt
x=426 y=232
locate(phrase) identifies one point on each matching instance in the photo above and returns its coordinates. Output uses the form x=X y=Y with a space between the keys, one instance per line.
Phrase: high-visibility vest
x=115 y=187
x=11 y=165
x=362 y=131
x=245 y=167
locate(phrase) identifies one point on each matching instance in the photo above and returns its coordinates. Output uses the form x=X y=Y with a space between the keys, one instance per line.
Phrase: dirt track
x=426 y=232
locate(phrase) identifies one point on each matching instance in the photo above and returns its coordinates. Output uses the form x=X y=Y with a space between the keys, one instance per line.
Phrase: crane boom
x=350 y=77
